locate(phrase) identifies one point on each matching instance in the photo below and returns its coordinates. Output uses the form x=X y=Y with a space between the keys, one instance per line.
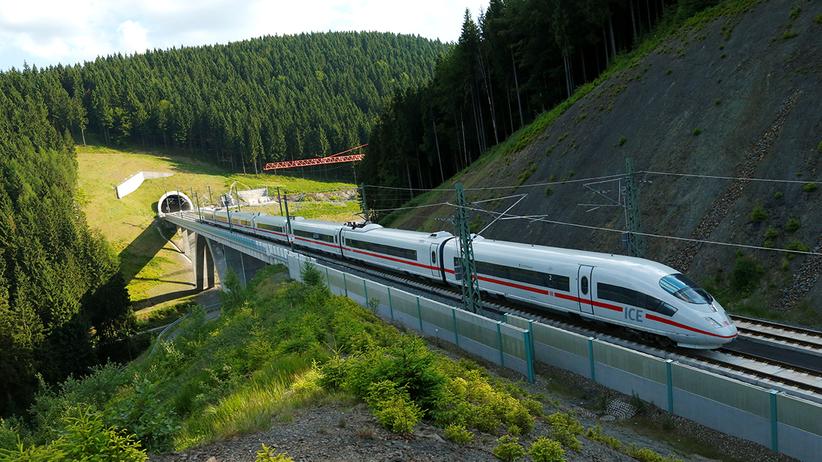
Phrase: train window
x=583 y=285
x=409 y=254
x=315 y=236
x=433 y=258
x=553 y=281
x=632 y=297
x=684 y=289
x=279 y=229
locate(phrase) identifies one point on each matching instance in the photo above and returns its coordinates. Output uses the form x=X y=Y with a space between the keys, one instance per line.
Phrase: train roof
x=416 y=236
x=580 y=256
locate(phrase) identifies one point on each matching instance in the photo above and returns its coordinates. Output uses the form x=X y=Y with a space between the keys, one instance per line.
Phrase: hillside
x=240 y=104
x=733 y=93
x=155 y=271
x=303 y=372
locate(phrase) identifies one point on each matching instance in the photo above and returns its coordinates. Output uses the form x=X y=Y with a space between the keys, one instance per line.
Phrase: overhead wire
x=541 y=218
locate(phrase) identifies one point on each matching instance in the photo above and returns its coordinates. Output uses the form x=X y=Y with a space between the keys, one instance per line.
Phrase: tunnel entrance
x=172 y=202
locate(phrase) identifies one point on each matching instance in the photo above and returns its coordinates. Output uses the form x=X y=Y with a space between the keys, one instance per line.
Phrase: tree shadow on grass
x=142 y=249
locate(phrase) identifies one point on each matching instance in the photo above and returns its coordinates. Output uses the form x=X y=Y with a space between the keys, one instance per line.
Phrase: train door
x=434 y=261
x=584 y=289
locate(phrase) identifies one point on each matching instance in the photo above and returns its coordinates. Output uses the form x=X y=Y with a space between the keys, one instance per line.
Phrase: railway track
x=775 y=332
x=779 y=368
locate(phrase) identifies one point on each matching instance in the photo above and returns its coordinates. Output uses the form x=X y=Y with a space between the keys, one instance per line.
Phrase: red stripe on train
x=656 y=318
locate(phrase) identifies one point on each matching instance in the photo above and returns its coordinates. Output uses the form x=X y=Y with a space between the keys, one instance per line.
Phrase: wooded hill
x=731 y=92
x=240 y=104
x=517 y=60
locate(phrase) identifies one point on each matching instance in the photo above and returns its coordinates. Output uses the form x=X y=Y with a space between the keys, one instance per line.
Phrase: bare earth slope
x=738 y=97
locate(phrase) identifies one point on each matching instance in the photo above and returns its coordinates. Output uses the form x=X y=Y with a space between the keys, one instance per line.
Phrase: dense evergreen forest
x=244 y=103
x=521 y=58
x=63 y=304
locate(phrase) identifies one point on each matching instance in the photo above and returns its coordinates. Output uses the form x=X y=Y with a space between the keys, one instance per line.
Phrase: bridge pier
x=203 y=261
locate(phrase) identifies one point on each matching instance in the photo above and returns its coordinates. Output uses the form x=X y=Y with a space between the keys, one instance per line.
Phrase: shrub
x=84 y=437
x=622 y=141
x=546 y=450
x=792 y=225
x=565 y=429
x=311 y=276
x=548 y=192
x=789 y=34
x=508 y=449
x=393 y=407
x=458 y=434
x=595 y=434
x=9 y=434
x=809 y=187
x=818 y=19
x=758 y=214
x=778 y=195
x=334 y=373
x=819 y=146
x=267 y=454
x=797 y=245
x=746 y=274
x=697 y=131
x=648 y=455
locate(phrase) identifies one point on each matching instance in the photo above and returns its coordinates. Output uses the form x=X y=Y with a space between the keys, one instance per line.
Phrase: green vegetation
x=150 y=265
x=63 y=304
x=277 y=347
x=266 y=454
x=244 y=103
x=458 y=434
x=565 y=429
x=778 y=195
x=622 y=141
x=818 y=19
x=508 y=449
x=819 y=146
x=796 y=244
x=648 y=455
x=758 y=214
x=809 y=187
x=546 y=450
x=746 y=274
x=789 y=34
x=525 y=31
x=595 y=434
x=697 y=131
x=771 y=233
x=792 y=225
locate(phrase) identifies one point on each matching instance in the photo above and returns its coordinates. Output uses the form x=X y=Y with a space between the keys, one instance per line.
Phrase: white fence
x=782 y=422
x=494 y=341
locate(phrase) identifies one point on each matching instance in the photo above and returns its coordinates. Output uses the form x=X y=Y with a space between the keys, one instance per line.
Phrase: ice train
x=635 y=293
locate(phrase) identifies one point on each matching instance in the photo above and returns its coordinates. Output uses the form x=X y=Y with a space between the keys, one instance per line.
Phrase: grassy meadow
x=157 y=273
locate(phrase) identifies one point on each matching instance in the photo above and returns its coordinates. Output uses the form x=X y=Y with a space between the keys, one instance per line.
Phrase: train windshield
x=685 y=289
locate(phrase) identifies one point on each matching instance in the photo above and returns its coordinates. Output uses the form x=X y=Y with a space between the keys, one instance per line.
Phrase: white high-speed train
x=635 y=293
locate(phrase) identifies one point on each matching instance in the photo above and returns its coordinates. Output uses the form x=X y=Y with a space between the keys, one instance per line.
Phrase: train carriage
x=406 y=251
x=321 y=236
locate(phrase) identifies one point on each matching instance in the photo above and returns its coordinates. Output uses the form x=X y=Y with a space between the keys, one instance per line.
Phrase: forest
x=241 y=104
x=63 y=304
x=519 y=59
x=64 y=307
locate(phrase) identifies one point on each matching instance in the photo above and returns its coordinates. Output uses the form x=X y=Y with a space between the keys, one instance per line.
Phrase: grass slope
x=155 y=270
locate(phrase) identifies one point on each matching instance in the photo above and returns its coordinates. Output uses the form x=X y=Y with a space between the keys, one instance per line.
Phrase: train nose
x=729 y=332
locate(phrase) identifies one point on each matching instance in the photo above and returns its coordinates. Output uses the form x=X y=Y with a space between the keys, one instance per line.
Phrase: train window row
x=409 y=254
x=315 y=236
x=220 y=218
x=634 y=298
x=242 y=222
x=537 y=278
x=279 y=229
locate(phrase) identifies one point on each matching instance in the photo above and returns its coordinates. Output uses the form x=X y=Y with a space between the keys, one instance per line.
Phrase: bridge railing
x=494 y=341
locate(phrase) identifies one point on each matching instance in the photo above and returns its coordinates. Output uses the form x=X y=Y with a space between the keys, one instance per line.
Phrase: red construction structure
x=337 y=158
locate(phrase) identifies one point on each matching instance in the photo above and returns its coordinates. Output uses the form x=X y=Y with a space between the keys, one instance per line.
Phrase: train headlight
x=713 y=322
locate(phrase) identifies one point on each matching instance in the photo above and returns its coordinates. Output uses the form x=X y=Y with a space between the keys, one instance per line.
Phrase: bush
x=778 y=194
x=746 y=275
x=649 y=455
x=792 y=225
x=595 y=434
x=311 y=276
x=508 y=449
x=334 y=373
x=9 y=434
x=565 y=429
x=758 y=214
x=809 y=187
x=393 y=407
x=267 y=454
x=622 y=141
x=84 y=437
x=458 y=434
x=697 y=131
x=546 y=450
x=797 y=245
